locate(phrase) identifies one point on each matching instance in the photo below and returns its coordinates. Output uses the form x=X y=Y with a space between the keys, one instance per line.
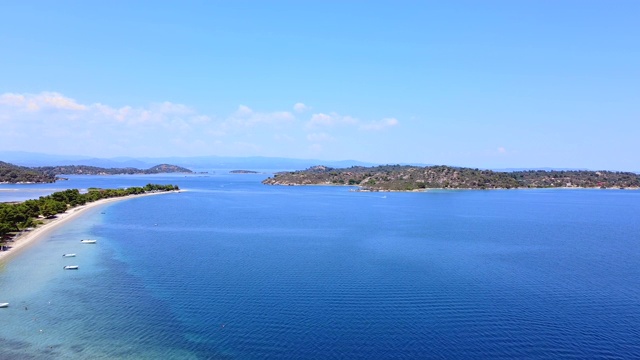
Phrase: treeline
x=409 y=178
x=15 y=217
x=94 y=170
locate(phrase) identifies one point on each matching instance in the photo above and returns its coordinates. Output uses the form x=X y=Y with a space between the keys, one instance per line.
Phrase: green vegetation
x=243 y=172
x=411 y=178
x=10 y=173
x=93 y=170
x=14 y=174
x=15 y=217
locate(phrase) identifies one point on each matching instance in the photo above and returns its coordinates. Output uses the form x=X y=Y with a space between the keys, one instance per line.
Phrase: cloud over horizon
x=51 y=120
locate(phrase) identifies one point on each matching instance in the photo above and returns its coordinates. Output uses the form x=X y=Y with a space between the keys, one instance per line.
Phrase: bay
x=235 y=269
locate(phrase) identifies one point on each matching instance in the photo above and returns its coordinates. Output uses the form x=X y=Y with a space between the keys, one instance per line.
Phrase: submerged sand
x=25 y=239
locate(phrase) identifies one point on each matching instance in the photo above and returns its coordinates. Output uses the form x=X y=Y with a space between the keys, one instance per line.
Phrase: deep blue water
x=238 y=270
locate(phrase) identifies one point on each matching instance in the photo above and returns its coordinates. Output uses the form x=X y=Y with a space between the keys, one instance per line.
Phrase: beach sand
x=26 y=239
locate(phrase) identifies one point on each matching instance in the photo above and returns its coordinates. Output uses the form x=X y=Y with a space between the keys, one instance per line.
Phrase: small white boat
x=68 y=255
x=3 y=305
x=88 y=241
x=71 y=267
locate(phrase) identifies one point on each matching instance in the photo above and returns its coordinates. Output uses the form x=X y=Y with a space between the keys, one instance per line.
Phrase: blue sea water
x=233 y=269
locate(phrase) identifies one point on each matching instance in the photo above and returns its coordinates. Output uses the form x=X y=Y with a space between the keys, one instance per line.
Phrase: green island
x=16 y=217
x=243 y=172
x=10 y=173
x=415 y=178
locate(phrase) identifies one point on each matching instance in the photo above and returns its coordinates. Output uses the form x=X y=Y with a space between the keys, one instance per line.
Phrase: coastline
x=357 y=188
x=27 y=239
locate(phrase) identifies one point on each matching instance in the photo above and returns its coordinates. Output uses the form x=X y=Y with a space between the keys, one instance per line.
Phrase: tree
x=52 y=207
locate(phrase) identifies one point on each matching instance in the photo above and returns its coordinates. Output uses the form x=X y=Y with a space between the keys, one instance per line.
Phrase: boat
x=3 y=305
x=68 y=255
x=71 y=267
x=88 y=241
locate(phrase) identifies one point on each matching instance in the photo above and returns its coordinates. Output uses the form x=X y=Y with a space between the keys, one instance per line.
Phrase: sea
x=234 y=269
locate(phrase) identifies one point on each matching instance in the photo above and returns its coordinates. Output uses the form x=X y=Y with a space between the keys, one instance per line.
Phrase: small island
x=243 y=172
x=415 y=178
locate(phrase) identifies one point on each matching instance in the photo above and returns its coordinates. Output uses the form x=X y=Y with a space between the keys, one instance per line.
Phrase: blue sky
x=490 y=84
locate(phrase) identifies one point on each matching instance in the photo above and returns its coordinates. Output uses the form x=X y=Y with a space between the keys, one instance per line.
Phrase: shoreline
x=360 y=189
x=26 y=239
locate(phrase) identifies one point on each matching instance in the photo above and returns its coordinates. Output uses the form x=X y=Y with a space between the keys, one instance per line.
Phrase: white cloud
x=44 y=100
x=246 y=117
x=243 y=111
x=52 y=122
x=322 y=120
x=380 y=124
x=300 y=107
x=502 y=150
x=319 y=137
x=331 y=119
x=315 y=148
x=10 y=99
x=283 y=138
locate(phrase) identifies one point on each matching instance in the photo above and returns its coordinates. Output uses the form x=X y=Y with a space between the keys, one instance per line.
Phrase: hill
x=10 y=173
x=409 y=178
x=94 y=170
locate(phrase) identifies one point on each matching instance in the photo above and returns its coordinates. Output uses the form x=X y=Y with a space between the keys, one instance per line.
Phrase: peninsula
x=415 y=178
x=21 y=223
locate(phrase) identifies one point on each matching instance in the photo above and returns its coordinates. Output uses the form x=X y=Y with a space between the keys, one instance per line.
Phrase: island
x=10 y=173
x=93 y=170
x=243 y=172
x=416 y=178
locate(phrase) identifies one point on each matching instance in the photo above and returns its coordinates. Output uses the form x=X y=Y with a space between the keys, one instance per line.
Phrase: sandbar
x=27 y=238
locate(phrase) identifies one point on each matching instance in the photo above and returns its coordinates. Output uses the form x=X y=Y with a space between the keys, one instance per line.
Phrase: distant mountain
x=191 y=162
x=23 y=158
x=206 y=163
x=252 y=162
x=30 y=159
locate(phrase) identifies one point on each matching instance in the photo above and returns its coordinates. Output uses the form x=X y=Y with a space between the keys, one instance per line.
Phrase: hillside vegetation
x=410 y=178
x=93 y=170
x=10 y=173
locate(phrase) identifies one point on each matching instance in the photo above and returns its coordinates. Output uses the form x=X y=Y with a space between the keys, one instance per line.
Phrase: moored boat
x=88 y=241
x=4 y=305
x=71 y=267
x=68 y=255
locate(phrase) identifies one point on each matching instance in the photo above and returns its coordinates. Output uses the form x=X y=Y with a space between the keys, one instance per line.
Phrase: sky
x=486 y=84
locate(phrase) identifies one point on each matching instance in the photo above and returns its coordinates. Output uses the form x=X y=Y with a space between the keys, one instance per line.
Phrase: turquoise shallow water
x=235 y=269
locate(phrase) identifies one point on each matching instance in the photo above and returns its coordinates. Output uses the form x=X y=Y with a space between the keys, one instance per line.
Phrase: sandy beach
x=28 y=238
